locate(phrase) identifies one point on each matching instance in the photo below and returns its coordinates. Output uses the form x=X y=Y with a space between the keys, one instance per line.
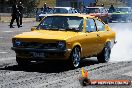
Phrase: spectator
x=15 y=15
x=102 y=5
x=90 y=5
x=94 y=4
x=111 y=9
x=20 y=8
x=44 y=8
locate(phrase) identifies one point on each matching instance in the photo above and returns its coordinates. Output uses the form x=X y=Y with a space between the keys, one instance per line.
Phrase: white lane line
x=7 y=31
x=128 y=73
x=1 y=37
x=9 y=58
x=3 y=52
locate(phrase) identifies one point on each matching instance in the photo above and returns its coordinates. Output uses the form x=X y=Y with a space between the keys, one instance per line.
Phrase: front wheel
x=104 y=56
x=75 y=57
x=22 y=61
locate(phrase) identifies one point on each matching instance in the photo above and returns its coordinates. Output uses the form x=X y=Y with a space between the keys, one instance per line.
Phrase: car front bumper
x=48 y=54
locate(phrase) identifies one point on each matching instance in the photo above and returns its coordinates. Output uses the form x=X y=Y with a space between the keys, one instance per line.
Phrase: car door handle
x=98 y=35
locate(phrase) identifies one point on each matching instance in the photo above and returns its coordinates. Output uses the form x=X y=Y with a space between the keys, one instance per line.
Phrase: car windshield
x=58 y=11
x=123 y=9
x=62 y=23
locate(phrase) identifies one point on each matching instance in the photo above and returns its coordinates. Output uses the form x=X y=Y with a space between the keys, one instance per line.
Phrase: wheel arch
x=77 y=45
x=108 y=41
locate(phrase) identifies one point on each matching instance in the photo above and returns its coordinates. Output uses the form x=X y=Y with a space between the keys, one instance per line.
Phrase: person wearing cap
x=20 y=8
x=44 y=8
x=102 y=5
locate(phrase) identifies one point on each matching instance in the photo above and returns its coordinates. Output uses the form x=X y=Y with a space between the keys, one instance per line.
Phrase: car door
x=102 y=34
x=91 y=37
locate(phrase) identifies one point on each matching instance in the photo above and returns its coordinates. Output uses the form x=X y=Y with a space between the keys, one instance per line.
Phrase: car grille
x=36 y=45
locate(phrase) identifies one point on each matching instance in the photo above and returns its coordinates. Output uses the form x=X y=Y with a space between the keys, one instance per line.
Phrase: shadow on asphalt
x=52 y=67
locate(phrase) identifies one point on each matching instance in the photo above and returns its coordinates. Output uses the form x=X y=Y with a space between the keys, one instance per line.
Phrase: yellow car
x=69 y=37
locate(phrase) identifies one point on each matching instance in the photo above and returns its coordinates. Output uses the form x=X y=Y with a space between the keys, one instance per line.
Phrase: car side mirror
x=33 y=28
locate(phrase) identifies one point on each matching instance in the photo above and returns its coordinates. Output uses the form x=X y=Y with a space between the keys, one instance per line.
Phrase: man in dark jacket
x=111 y=9
x=44 y=8
x=20 y=8
x=15 y=15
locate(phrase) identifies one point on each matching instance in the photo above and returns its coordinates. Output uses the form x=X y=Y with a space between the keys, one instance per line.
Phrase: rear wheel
x=104 y=56
x=75 y=57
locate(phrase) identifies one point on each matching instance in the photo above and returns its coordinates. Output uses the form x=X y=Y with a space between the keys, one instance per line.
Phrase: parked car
x=57 y=10
x=121 y=14
x=65 y=37
x=40 y=11
x=100 y=12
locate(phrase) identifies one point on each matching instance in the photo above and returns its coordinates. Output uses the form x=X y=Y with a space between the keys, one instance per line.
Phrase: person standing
x=20 y=8
x=102 y=5
x=44 y=8
x=111 y=9
x=15 y=15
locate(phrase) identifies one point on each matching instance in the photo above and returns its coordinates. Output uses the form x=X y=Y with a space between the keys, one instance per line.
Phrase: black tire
x=75 y=58
x=22 y=61
x=104 y=56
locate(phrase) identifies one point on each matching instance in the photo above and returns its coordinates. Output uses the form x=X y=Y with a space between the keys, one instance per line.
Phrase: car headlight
x=17 y=43
x=61 y=45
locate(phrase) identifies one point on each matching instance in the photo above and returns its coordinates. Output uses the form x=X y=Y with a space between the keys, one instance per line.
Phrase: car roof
x=64 y=7
x=79 y=15
x=94 y=7
x=123 y=7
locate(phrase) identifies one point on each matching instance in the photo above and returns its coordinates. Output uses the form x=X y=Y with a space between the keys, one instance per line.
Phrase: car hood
x=47 y=34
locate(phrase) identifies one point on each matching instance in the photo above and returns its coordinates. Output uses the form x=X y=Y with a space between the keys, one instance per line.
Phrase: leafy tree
x=29 y=6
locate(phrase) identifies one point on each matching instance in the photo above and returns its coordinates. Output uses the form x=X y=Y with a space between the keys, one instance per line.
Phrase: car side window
x=90 y=25
x=70 y=11
x=100 y=25
x=76 y=11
